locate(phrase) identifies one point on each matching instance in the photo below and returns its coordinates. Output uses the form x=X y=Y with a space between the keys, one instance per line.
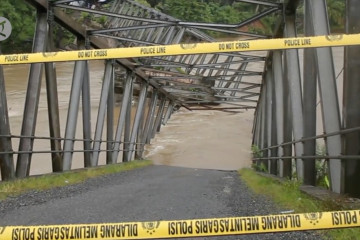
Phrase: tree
x=22 y=17
x=336 y=13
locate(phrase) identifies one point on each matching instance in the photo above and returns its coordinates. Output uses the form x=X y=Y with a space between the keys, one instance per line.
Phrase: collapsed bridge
x=285 y=102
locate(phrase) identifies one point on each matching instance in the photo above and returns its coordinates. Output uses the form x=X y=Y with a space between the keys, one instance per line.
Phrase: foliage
x=288 y=196
x=259 y=167
x=336 y=13
x=321 y=166
x=16 y=187
x=22 y=17
x=257 y=153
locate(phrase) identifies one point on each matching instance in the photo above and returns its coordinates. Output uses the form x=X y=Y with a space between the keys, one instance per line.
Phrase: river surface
x=197 y=139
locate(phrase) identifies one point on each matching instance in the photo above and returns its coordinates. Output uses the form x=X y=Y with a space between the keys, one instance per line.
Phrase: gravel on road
x=148 y=194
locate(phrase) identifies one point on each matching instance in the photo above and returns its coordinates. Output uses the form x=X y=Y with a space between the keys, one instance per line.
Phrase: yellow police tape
x=179 y=49
x=186 y=228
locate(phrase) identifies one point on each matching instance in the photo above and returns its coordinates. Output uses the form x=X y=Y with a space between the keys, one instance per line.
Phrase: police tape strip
x=180 y=49
x=186 y=228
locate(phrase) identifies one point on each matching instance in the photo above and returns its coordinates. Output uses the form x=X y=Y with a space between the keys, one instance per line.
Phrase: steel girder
x=132 y=24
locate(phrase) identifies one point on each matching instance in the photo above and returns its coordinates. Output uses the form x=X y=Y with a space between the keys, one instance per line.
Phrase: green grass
x=16 y=187
x=288 y=196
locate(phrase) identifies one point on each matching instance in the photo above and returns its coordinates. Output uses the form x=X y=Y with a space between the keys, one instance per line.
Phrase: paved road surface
x=147 y=194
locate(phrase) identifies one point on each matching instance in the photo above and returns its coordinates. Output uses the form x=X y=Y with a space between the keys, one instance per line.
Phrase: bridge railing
x=295 y=95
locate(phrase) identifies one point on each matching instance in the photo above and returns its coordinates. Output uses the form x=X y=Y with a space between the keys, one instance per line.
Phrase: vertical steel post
x=351 y=112
x=150 y=117
x=70 y=130
x=256 y=126
x=140 y=134
x=101 y=113
x=328 y=94
x=274 y=151
x=269 y=112
x=294 y=78
x=158 y=116
x=127 y=130
x=86 y=115
x=54 y=117
x=52 y=100
x=6 y=160
x=169 y=110
x=110 y=118
x=32 y=99
x=264 y=125
x=286 y=167
x=279 y=103
x=162 y=117
x=138 y=116
x=309 y=100
x=127 y=92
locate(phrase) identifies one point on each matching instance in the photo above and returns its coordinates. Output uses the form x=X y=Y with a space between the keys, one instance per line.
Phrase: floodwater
x=197 y=139
x=200 y=139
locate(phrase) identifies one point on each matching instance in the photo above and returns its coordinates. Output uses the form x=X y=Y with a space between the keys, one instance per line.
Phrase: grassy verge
x=288 y=196
x=16 y=187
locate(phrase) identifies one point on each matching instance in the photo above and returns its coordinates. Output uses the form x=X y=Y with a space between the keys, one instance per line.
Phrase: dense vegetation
x=22 y=16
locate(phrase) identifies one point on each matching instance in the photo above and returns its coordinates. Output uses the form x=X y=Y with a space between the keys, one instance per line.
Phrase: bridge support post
x=138 y=116
x=286 y=170
x=73 y=111
x=264 y=131
x=150 y=117
x=169 y=111
x=294 y=78
x=309 y=99
x=328 y=94
x=32 y=99
x=110 y=117
x=102 y=112
x=139 y=148
x=127 y=125
x=127 y=93
x=52 y=98
x=256 y=126
x=6 y=159
x=158 y=116
x=351 y=117
x=54 y=117
x=86 y=115
x=269 y=118
x=279 y=102
x=163 y=113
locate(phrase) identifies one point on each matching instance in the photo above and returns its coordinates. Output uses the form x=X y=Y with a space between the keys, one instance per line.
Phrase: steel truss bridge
x=283 y=94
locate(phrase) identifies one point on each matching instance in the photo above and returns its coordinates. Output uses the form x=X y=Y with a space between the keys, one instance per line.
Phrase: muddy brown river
x=198 y=139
